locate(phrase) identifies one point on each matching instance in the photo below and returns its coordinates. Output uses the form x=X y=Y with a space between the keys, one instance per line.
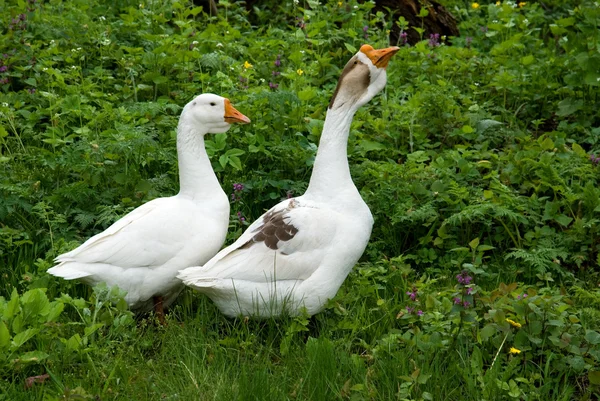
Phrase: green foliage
x=480 y=159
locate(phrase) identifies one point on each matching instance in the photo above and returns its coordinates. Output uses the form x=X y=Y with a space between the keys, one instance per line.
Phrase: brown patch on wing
x=273 y=230
x=356 y=74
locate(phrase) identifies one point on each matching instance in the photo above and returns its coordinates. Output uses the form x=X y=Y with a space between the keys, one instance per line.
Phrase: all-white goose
x=143 y=251
x=297 y=255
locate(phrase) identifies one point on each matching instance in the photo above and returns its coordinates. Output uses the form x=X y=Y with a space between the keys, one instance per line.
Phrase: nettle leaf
x=592 y=337
x=569 y=106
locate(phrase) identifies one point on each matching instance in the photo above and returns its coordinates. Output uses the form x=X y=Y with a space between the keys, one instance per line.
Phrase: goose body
x=142 y=252
x=296 y=256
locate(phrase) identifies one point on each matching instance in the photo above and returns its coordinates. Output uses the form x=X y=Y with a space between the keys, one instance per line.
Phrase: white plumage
x=143 y=251
x=297 y=255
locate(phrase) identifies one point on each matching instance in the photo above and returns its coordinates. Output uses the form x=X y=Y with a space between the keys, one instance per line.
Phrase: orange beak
x=234 y=116
x=380 y=58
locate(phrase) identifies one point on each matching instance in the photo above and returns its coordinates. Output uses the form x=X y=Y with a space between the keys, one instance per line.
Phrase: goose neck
x=197 y=178
x=331 y=172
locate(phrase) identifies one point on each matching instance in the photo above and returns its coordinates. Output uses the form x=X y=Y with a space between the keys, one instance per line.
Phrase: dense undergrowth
x=480 y=163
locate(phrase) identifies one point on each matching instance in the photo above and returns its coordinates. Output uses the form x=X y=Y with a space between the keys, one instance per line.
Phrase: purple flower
x=595 y=159
x=3 y=68
x=483 y=29
x=403 y=38
x=457 y=301
x=273 y=85
x=464 y=278
x=278 y=61
x=3 y=81
x=466 y=304
x=420 y=312
x=243 y=79
x=412 y=294
x=365 y=28
x=409 y=309
x=31 y=90
x=469 y=290
x=22 y=17
x=434 y=40
x=276 y=73
x=238 y=187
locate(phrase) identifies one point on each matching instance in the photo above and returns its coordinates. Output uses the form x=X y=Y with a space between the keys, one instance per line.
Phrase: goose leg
x=159 y=310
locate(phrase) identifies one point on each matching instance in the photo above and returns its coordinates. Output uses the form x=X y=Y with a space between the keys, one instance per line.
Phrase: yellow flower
x=247 y=65
x=475 y=5
x=522 y=4
x=339 y=3
x=498 y=3
x=514 y=324
x=513 y=350
x=299 y=71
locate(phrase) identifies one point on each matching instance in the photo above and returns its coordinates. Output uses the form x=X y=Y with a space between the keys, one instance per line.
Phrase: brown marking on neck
x=356 y=74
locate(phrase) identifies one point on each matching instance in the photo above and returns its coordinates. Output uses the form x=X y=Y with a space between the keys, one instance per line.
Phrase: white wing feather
x=296 y=259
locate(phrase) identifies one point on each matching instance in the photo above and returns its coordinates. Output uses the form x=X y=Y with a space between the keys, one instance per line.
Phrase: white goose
x=298 y=254
x=143 y=251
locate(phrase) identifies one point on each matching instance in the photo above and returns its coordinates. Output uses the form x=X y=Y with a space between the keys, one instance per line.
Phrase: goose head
x=363 y=77
x=213 y=113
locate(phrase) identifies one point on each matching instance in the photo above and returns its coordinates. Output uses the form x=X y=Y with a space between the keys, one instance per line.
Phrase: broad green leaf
x=367 y=145
x=33 y=357
x=22 y=337
x=578 y=150
x=55 y=311
x=12 y=306
x=92 y=329
x=35 y=303
x=563 y=220
x=467 y=129
x=4 y=336
x=594 y=377
x=527 y=60
x=547 y=144
x=474 y=243
x=307 y=94
x=487 y=331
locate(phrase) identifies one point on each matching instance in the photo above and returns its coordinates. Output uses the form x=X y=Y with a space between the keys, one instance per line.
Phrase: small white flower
x=106 y=42
x=102 y=18
x=219 y=44
x=79 y=48
x=5 y=104
x=52 y=42
x=44 y=69
x=476 y=83
x=355 y=7
x=296 y=2
x=73 y=67
x=262 y=80
x=195 y=42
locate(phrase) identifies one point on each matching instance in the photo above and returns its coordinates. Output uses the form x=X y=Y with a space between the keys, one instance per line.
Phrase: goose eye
x=355 y=62
x=213 y=104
